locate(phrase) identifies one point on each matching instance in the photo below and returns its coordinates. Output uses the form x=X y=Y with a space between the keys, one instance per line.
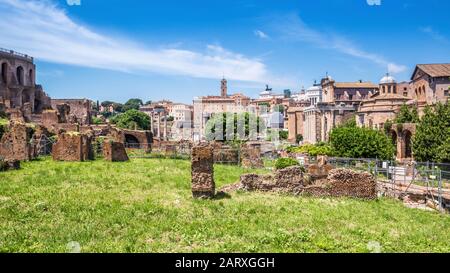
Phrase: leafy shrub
x=299 y=138
x=357 y=142
x=432 y=139
x=283 y=163
x=313 y=150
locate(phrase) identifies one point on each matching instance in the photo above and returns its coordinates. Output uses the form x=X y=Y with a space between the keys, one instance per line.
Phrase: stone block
x=15 y=143
x=289 y=177
x=114 y=151
x=73 y=146
x=203 y=185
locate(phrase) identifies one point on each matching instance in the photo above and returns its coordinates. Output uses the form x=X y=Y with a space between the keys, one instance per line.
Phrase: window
x=4 y=72
x=19 y=75
x=446 y=92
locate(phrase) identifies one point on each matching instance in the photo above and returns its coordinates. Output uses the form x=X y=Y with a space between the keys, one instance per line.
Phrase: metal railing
x=426 y=179
x=17 y=54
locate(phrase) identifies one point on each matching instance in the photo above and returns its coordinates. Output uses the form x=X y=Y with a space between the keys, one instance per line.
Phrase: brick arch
x=20 y=75
x=144 y=138
x=405 y=133
x=4 y=72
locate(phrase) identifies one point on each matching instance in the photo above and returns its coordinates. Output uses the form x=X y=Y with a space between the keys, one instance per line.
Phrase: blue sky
x=172 y=49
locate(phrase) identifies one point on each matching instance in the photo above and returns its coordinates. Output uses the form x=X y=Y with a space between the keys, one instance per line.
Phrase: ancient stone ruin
x=203 y=185
x=73 y=146
x=114 y=151
x=339 y=183
x=8 y=165
x=16 y=143
x=251 y=157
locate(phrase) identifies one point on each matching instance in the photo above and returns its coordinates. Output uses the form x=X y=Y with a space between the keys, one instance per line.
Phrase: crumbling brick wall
x=346 y=183
x=203 y=185
x=251 y=157
x=8 y=165
x=339 y=183
x=73 y=146
x=114 y=151
x=15 y=144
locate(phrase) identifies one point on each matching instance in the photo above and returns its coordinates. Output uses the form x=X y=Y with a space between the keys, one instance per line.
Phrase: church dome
x=387 y=79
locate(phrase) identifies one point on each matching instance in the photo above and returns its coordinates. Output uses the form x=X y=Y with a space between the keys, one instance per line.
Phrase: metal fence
x=426 y=179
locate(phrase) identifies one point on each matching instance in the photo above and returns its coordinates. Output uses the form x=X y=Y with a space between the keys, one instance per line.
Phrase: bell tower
x=224 y=88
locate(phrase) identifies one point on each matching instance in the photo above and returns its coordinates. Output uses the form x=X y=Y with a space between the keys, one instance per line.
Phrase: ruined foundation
x=16 y=143
x=73 y=146
x=114 y=151
x=203 y=185
x=339 y=183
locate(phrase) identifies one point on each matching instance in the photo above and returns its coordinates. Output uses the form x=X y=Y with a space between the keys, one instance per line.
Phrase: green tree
x=132 y=119
x=407 y=114
x=217 y=126
x=284 y=135
x=355 y=142
x=133 y=104
x=299 y=138
x=431 y=141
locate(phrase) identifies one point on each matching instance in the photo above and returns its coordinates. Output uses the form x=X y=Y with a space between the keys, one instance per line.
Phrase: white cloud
x=434 y=34
x=295 y=28
x=45 y=31
x=261 y=34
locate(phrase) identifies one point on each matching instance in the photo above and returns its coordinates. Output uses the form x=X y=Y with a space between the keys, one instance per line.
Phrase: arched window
x=384 y=89
x=4 y=74
x=31 y=77
x=19 y=75
x=395 y=89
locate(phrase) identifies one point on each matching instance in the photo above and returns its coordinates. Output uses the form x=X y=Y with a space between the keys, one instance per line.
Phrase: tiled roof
x=435 y=70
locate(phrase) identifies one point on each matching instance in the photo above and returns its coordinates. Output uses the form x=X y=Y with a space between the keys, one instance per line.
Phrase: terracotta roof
x=435 y=70
x=355 y=85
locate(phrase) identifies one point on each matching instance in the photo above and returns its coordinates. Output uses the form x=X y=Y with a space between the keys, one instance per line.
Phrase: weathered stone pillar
x=159 y=126
x=165 y=127
x=203 y=185
x=114 y=151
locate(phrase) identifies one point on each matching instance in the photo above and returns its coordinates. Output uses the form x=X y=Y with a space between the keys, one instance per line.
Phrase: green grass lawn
x=145 y=206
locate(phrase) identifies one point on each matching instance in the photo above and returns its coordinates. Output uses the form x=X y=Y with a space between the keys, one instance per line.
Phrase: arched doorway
x=4 y=73
x=407 y=138
x=19 y=75
x=131 y=141
x=31 y=77
x=394 y=138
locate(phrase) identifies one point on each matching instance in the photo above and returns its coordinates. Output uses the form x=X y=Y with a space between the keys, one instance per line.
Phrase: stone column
x=165 y=127
x=203 y=185
x=159 y=126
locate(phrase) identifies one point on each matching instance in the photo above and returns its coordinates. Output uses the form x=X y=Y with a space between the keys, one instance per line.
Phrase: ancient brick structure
x=73 y=146
x=251 y=157
x=8 y=165
x=203 y=185
x=291 y=176
x=18 y=89
x=339 y=183
x=226 y=155
x=75 y=110
x=345 y=183
x=16 y=143
x=114 y=151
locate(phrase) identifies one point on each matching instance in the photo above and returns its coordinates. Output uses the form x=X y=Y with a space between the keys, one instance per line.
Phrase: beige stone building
x=430 y=84
x=206 y=107
x=385 y=104
x=340 y=103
